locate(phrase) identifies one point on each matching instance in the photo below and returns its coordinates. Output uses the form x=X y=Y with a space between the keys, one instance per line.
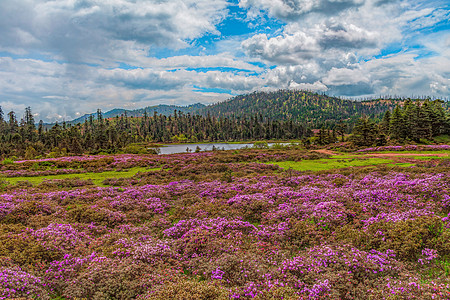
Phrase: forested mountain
x=162 y=109
x=312 y=109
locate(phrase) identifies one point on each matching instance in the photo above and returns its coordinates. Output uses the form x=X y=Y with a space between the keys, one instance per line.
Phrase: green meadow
x=340 y=161
x=328 y=164
x=97 y=178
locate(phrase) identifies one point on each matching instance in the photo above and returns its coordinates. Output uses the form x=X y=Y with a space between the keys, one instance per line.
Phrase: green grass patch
x=346 y=156
x=97 y=178
x=328 y=164
x=427 y=157
x=405 y=165
x=411 y=152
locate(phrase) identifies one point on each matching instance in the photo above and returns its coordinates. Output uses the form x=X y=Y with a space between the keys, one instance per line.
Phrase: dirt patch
x=325 y=151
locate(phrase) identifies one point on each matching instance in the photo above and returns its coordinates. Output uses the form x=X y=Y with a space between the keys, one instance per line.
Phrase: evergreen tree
x=99 y=116
x=29 y=119
x=40 y=129
x=438 y=120
x=410 y=120
x=386 y=122
x=13 y=125
x=425 y=115
x=397 y=129
x=341 y=129
x=365 y=132
x=2 y=123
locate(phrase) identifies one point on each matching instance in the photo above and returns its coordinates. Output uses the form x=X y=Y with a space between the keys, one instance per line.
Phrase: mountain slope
x=310 y=108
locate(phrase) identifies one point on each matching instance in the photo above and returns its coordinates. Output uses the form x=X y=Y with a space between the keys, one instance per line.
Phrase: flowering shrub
x=15 y=283
x=188 y=231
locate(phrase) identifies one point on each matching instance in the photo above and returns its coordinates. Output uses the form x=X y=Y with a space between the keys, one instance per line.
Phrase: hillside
x=309 y=108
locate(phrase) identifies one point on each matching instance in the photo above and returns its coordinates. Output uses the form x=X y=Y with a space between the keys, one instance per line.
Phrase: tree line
x=97 y=134
x=414 y=121
x=409 y=121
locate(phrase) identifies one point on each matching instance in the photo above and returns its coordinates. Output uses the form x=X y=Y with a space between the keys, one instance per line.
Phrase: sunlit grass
x=97 y=178
x=412 y=152
x=401 y=165
x=328 y=164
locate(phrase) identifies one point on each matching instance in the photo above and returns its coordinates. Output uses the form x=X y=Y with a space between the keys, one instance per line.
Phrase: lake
x=181 y=148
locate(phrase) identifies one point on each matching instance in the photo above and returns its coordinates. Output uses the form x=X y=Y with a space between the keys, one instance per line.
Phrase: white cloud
x=105 y=31
x=344 y=76
x=316 y=86
x=293 y=9
x=339 y=47
x=77 y=49
x=223 y=60
x=284 y=49
x=56 y=91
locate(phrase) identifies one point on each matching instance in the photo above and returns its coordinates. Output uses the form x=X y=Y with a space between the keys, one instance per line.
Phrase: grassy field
x=340 y=161
x=332 y=163
x=97 y=178
x=431 y=152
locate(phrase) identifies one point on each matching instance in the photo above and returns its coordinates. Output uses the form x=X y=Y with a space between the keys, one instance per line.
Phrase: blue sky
x=66 y=58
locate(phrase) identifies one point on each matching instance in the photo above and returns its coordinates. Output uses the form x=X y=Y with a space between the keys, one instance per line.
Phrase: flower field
x=225 y=225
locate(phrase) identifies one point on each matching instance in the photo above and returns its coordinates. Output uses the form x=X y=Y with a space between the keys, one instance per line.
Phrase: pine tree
x=364 y=133
x=2 y=123
x=13 y=125
x=438 y=120
x=410 y=119
x=341 y=129
x=29 y=119
x=386 y=123
x=323 y=137
x=425 y=129
x=397 y=124
x=40 y=129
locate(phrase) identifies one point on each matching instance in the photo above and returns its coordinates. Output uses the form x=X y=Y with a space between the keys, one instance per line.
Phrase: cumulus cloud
x=141 y=79
x=98 y=31
x=223 y=60
x=69 y=57
x=292 y=9
x=58 y=91
x=348 y=36
x=364 y=31
x=344 y=76
x=293 y=48
x=344 y=46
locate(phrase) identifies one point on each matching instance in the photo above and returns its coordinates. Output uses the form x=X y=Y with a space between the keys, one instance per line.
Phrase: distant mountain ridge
x=162 y=109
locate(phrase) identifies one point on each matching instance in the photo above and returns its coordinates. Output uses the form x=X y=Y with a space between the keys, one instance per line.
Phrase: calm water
x=171 y=149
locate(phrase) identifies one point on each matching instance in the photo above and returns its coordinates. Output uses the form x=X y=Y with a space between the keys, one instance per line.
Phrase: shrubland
x=225 y=225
